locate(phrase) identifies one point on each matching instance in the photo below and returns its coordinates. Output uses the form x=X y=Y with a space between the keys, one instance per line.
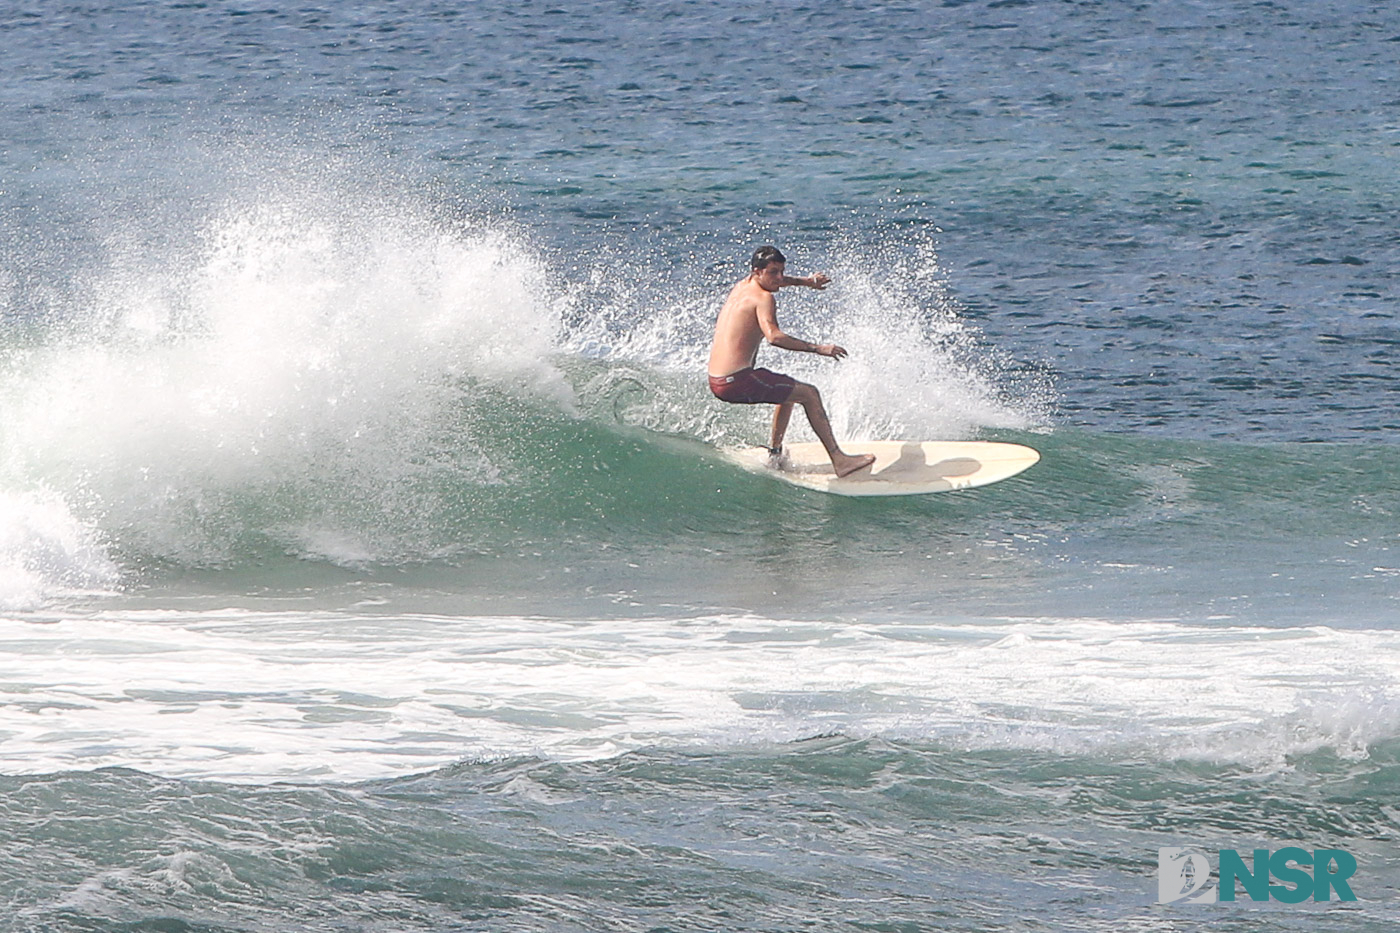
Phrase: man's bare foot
x=846 y=465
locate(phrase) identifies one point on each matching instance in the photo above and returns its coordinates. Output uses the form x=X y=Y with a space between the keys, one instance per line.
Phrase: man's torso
x=737 y=332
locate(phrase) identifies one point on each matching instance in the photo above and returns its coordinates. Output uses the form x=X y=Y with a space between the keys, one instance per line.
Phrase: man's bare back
x=748 y=317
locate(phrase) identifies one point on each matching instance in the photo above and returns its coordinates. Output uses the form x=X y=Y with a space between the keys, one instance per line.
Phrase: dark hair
x=764 y=255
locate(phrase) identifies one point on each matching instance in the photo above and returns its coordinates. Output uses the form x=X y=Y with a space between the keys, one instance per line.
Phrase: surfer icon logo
x=1182 y=873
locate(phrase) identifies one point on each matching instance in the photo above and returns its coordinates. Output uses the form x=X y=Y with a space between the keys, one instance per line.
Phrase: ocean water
x=368 y=561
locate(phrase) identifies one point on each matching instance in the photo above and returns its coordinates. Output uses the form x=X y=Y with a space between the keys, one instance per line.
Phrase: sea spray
x=918 y=368
x=45 y=552
x=303 y=376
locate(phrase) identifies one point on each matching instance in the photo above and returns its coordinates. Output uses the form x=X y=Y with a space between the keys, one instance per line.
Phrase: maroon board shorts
x=753 y=387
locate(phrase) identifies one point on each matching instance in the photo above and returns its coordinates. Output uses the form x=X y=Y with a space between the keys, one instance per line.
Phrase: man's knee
x=804 y=394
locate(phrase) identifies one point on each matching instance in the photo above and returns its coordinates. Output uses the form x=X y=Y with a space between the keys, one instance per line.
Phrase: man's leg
x=781 y=414
x=811 y=401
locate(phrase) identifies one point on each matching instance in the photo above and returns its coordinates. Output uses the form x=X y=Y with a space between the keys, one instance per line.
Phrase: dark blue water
x=367 y=563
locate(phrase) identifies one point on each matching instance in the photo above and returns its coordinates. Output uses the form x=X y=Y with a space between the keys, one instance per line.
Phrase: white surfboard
x=902 y=468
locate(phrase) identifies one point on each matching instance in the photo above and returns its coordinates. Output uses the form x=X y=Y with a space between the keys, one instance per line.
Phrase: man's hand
x=819 y=281
x=831 y=350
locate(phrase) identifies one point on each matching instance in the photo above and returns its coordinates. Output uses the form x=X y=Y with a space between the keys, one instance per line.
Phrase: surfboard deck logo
x=902 y=468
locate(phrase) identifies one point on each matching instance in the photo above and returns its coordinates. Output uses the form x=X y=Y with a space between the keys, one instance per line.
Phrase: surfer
x=750 y=316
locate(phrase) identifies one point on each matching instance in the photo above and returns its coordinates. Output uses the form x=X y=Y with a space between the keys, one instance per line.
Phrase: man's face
x=770 y=277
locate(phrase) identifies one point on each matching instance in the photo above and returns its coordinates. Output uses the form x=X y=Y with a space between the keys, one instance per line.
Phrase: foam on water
x=256 y=696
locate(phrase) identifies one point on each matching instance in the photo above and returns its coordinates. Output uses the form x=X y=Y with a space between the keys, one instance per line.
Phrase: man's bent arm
x=768 y=323
x=818 y=281
x=788 y=342
x=767 y=312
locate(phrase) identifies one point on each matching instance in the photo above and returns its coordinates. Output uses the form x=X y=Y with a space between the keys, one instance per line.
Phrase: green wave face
x=574 y=484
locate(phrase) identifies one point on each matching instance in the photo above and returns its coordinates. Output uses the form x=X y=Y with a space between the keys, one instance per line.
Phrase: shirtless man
x=749 y=316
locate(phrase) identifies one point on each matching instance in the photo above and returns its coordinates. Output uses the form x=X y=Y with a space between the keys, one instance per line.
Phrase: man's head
x=765 y=255
x=768 y=264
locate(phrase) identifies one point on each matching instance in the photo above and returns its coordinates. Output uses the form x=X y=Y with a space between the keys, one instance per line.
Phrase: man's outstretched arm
x=818 y=281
